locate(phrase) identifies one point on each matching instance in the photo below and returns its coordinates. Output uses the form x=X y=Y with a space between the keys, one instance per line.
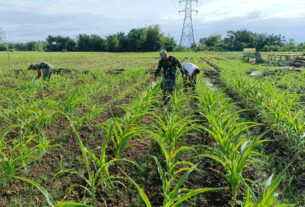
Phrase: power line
x=187 y=35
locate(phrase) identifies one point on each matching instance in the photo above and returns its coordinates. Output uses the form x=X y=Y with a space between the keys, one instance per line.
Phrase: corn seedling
x=15 y=158
x=268 y=195
x=129 y=126
x=234 y=151
x=96 y=176
x=279 y=108
x=51 y=202
x=168 y=134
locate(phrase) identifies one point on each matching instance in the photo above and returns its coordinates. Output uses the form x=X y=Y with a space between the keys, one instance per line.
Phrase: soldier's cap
x=163 y=52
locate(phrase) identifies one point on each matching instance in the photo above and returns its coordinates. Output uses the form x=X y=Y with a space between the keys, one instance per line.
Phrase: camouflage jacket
x=44 y=65
x=169 y=68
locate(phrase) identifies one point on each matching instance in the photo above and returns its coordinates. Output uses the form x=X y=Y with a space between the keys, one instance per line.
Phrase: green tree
x=261 y=41
x=291 y=46
x=139 y=39
x=301 y=47
x=168 y=43
x=212 y=43
x=97 y=43
x=238 y=40
x=153 y=39
x=123 y=42
x=59 y=43
x=113 y=43
x=91 y=43
x=30 y=46
x=40 y=46
x=20 y=46
x=136 y=39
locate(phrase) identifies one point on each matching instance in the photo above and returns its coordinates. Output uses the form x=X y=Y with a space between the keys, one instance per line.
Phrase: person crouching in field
x=191 y=71
x=169 y=65
x=44 y=69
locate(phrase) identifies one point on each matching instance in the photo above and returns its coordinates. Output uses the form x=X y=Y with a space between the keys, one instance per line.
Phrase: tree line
x=152 y=39
x=237 y=40
x=136 y=40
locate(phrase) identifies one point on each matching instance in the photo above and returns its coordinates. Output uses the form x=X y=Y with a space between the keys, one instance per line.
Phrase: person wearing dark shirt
x=43 y=69
x=169 y=65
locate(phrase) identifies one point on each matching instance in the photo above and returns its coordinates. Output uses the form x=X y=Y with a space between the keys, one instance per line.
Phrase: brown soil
x=68 y=152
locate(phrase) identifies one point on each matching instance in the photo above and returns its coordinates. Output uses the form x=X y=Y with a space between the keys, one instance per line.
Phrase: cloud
x=268 y=9
x=24 y=20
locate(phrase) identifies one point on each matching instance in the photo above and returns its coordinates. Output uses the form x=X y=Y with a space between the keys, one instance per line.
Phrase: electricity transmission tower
x=187 y=36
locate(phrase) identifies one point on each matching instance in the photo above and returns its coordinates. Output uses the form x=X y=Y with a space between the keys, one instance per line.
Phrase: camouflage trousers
x=168 y=86
x=46 y=73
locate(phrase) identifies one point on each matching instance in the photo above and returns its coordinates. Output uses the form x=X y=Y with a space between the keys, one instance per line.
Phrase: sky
x=26 y=20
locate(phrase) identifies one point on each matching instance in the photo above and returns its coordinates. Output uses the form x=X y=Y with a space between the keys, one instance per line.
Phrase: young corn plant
x=40 y=119
x=73 y=101
x=50 y=200
x=168 y=134
x=281 y=109
x=240 y=158
x=287 y=117
x=95 y=111
x=15 y=157
x=123 y=132
x=234 y=151
x=129 y=126
x=96 y=175
x=267 y=196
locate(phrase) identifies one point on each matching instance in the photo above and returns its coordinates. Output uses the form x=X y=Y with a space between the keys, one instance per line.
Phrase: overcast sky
x=24 y=20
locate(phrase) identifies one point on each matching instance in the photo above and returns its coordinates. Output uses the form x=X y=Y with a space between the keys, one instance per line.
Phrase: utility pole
x=3 y=38
x=8 y=55
x=187 y=35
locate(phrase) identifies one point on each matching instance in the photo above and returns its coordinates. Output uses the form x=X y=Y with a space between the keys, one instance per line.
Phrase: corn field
x=104 y=138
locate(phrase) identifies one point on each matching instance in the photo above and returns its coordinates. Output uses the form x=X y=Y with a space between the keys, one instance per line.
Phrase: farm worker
x=191 y=71
x=169 y=65
x=43 y=68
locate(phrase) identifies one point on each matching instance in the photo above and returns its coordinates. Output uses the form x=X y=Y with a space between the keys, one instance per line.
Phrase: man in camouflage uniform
x=44 y=69
x=169 y=65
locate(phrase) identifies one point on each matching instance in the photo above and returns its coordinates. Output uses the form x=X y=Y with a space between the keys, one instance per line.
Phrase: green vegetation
x=151 y=38
x=104 y=138
x=139 y=39
x=238 y=40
